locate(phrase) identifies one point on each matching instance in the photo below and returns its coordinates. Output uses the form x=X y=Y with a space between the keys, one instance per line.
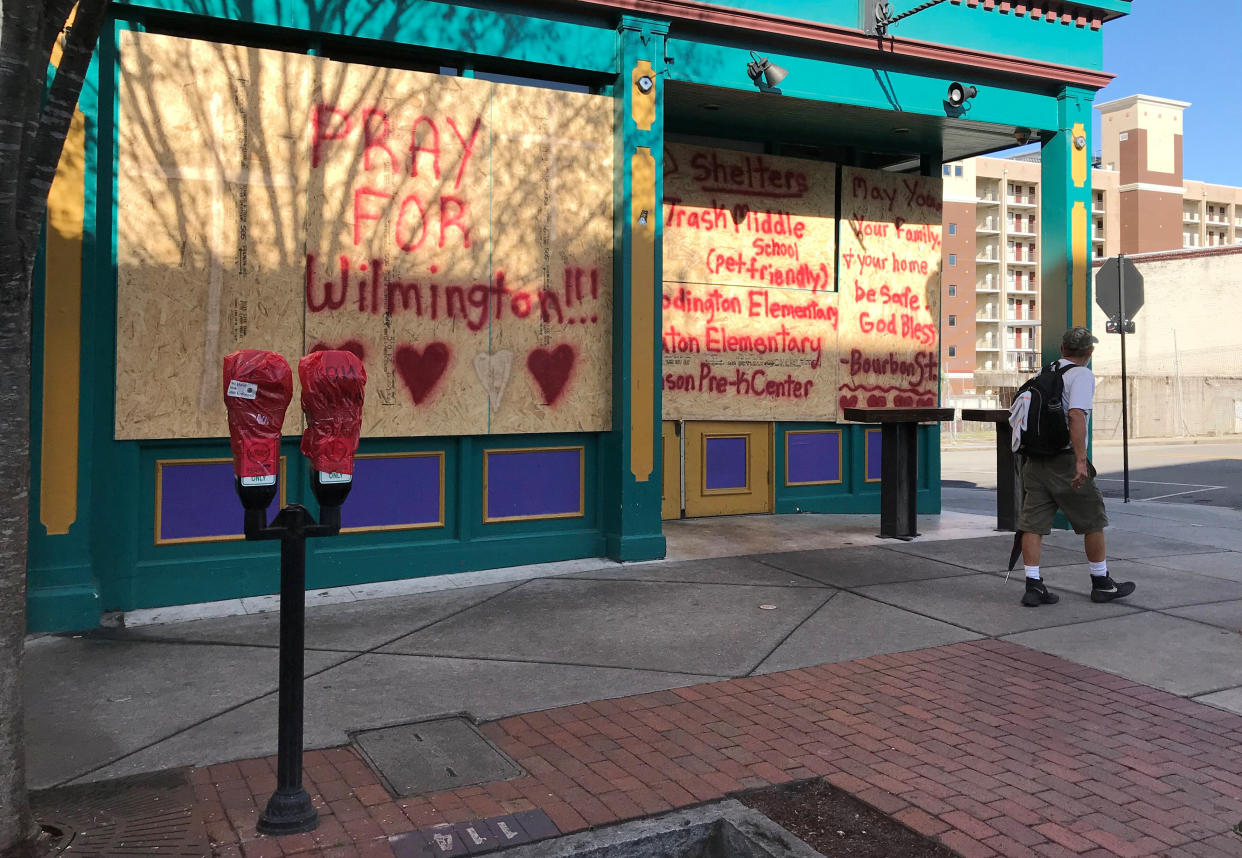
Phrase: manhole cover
x=429 y=756
x=135 y=816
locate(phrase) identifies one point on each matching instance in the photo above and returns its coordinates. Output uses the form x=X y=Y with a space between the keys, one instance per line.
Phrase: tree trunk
x=34 y=119
x=16 y=824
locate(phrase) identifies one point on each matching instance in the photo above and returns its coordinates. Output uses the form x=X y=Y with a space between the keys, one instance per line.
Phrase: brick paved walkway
x=993 y=748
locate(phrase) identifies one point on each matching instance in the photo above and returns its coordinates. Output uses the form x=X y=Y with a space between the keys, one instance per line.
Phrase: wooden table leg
x=899 y=480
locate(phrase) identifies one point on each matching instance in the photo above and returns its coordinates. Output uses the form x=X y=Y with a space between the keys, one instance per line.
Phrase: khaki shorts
x=1046 y=484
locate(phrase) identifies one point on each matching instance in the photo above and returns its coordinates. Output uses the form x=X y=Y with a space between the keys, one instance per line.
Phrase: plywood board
x=743 y=219
x=890 y=289
x=208 y=229
x=554 y=241
x=733 y=352
x=455 y=233
x=749 y=325
x=398 y=240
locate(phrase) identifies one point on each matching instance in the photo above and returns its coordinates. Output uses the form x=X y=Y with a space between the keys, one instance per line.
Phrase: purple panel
x=198 y=501
x=725 y=464
x=813 y=457
x=534 y=483
x=873 y=454
x=393 y=491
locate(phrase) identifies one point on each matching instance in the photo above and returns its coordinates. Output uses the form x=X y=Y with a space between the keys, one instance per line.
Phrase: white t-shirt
x=1079 y=388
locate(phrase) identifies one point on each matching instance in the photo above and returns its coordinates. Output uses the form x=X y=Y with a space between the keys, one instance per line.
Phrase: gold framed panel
x=425 y=525
x=159 y=498
x=732 y=490
x=867 y=454
x=840 y=457
x=670 y=495
x=500 y=451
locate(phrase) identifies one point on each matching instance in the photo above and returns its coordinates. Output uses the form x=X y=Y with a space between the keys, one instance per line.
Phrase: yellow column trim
x=644 y=105
x=1078 y=255
x=643 y=214
x=62 y=337
x=1078 y=157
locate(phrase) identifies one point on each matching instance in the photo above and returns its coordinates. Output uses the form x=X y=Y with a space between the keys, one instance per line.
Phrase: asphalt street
x=1208 y=473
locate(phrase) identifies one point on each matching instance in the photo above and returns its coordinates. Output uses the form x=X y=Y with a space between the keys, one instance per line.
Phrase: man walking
x=1066 y=481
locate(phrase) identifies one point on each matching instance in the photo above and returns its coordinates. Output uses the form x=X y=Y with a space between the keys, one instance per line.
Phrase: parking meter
x=257 y=388
x=333 y=384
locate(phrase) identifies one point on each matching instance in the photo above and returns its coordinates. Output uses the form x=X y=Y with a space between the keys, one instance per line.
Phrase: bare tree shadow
x=283 y=200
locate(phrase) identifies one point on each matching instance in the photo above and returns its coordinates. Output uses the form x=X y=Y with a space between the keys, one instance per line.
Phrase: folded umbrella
x=1016 y=552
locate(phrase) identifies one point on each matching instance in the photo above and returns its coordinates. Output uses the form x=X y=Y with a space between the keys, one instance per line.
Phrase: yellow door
x=670 y=506
x=728 y=468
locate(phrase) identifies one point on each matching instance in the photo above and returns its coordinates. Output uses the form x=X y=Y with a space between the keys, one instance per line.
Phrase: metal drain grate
x=135 y=816
x=429 y=756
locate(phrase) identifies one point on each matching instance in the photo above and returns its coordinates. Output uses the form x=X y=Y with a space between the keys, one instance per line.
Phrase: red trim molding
x=742 y=19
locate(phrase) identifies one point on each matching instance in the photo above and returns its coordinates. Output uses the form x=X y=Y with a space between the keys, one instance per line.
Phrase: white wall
x=1184 y=361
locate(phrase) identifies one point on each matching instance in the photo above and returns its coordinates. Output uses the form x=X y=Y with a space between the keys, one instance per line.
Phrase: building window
x=952 y=351
x=952 y=291
x=952 y=229
x=953 y=259
x=947 y=169
x=952 y=321
x=957 y=171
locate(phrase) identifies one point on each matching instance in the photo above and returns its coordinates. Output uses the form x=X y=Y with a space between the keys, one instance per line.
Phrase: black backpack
x=1047 y=426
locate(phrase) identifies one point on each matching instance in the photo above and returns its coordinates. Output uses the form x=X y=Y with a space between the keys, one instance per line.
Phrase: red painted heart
x=348 y=346
x=927 y=402
x=903 y=401
x=877 y=401
x=421 y=371
x=849 y=401
x=551 y=368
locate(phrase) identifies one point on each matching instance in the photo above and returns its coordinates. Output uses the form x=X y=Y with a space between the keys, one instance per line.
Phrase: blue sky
x=1186 y=50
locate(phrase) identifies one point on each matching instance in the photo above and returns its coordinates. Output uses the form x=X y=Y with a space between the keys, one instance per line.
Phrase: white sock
x=1032 y=572
x=1100 y=569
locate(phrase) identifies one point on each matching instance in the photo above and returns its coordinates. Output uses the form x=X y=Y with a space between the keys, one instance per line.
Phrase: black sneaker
x=1105 y=589
x=1037 y=594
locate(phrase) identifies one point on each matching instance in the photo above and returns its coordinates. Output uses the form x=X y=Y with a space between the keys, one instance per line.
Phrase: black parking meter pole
x=289 y=810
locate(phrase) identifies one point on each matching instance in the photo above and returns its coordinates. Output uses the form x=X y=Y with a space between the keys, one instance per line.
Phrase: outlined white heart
x=493 y=371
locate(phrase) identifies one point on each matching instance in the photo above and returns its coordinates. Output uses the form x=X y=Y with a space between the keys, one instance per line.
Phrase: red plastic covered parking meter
x=333 y=384
x=257 y=388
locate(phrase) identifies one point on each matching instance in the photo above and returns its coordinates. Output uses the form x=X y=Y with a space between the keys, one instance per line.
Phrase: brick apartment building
x=1140 y=203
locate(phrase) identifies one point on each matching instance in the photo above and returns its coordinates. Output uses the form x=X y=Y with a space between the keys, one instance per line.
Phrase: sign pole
x=1125 y=420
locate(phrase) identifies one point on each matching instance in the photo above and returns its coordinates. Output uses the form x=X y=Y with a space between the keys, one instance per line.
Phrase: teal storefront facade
x=123 y=518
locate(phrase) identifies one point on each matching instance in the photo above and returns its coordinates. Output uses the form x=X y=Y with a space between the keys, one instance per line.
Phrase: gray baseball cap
x=1078 y=339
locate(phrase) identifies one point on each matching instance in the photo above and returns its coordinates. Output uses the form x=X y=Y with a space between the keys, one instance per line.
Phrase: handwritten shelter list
x=749 y=315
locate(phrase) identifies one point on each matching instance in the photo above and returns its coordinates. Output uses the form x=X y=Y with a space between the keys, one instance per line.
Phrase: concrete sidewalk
x=766 y=597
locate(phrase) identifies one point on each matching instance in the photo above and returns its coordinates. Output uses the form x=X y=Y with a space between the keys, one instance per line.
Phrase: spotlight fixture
x=1022 y=135
x=960 y=93
x=765 y=73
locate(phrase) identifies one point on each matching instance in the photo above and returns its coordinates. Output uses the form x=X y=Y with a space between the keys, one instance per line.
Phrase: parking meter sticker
x=258 y=458
x=243 y=389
